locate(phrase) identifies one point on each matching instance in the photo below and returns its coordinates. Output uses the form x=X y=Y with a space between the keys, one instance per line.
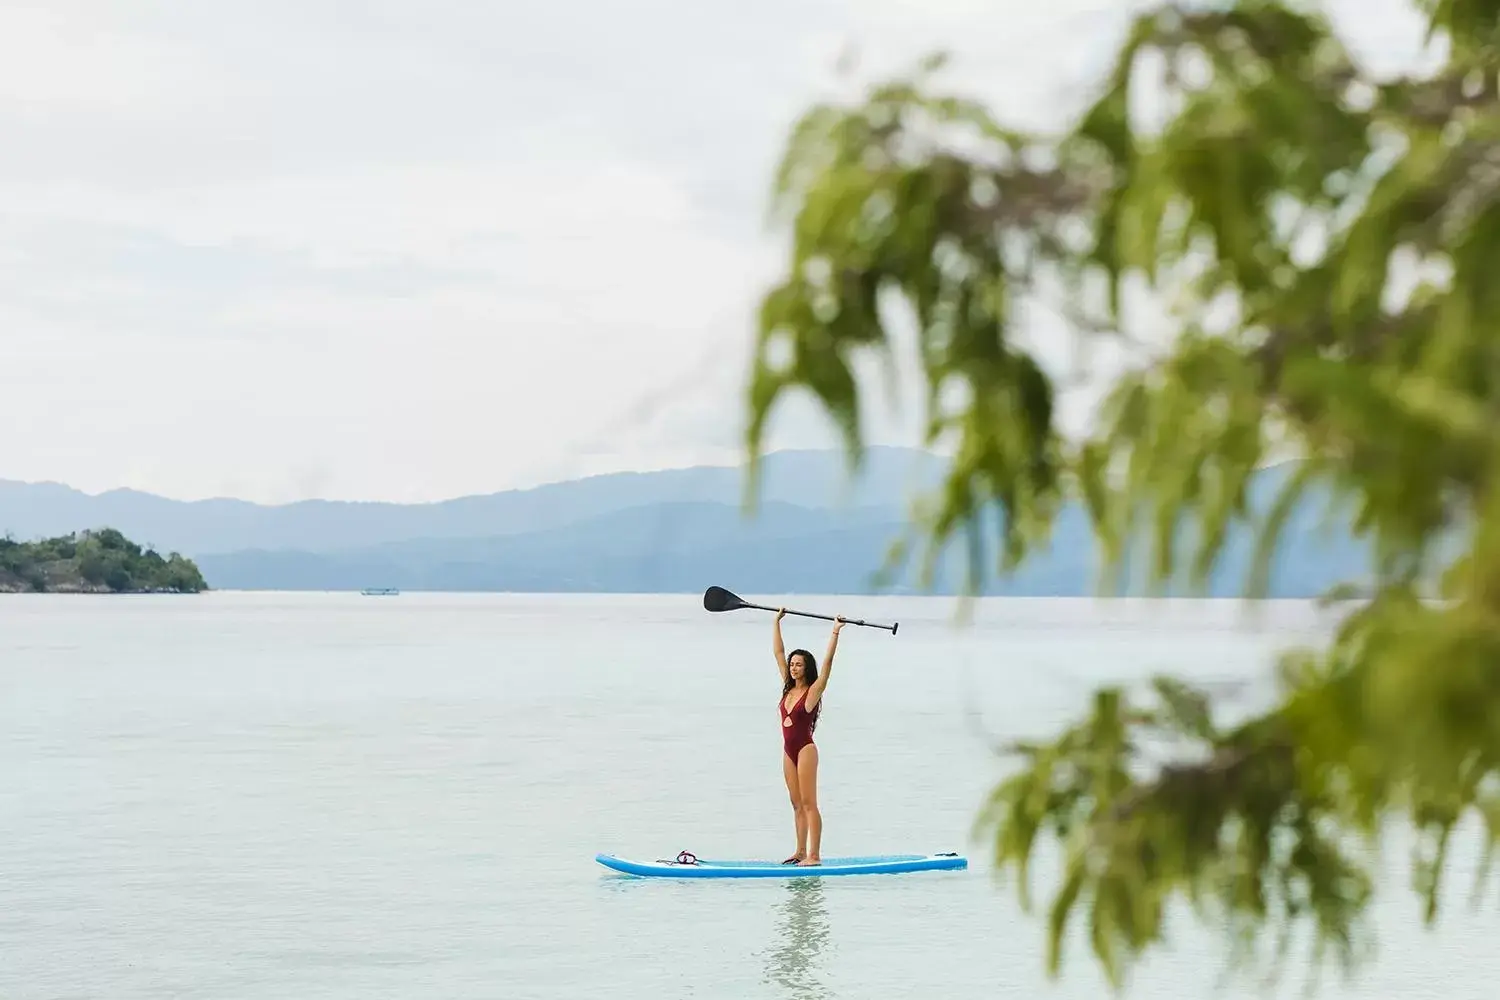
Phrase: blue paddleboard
x=688 y=866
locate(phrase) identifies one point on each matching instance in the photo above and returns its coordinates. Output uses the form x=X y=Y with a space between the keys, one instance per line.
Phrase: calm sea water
x=334 y=796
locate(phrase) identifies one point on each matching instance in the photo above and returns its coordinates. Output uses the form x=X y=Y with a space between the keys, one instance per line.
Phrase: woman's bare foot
x=795 y=859
x=814 y=860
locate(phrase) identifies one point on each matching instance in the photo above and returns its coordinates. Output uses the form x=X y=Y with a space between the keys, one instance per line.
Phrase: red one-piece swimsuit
x=796 y=726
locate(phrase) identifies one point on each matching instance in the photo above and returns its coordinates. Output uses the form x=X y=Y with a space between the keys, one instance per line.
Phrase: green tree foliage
x=92 y=560
x=1325 y=244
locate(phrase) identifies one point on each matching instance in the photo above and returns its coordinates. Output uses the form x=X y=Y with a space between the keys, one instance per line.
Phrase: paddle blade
x=719 y=599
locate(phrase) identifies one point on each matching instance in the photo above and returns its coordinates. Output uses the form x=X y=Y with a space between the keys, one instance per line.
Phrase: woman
x=801 y=702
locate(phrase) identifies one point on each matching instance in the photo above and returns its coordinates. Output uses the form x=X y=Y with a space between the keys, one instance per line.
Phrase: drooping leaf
x=1322 y=245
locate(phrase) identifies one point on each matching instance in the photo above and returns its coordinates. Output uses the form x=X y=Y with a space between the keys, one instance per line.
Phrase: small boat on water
x=380 y=591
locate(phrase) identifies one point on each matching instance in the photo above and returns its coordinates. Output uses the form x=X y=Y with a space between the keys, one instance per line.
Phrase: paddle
x=719 y=599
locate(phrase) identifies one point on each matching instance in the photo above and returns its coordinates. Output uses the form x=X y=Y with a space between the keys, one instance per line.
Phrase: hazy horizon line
x=677 y=467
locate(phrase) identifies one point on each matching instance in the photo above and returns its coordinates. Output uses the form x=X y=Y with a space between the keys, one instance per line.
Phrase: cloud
x=410 y=250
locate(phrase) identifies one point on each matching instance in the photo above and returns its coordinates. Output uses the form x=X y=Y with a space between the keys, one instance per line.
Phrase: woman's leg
x=807 y=786
x=789 y=772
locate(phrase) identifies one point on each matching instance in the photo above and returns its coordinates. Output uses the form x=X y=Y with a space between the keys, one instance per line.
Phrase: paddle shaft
x=827 y=618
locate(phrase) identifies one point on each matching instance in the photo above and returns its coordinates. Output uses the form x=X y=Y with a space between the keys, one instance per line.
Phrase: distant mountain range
x=816 y=530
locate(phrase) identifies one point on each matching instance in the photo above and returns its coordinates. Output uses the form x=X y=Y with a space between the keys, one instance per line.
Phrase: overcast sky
x=410 y=249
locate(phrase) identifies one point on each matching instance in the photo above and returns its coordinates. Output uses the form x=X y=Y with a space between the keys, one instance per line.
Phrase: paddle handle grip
x=829 y=618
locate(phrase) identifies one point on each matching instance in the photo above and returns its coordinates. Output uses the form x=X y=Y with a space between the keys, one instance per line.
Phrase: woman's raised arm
x=778 y=646
x=815 y=693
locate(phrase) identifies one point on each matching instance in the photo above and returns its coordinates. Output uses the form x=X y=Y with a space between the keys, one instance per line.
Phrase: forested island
x=94 y=562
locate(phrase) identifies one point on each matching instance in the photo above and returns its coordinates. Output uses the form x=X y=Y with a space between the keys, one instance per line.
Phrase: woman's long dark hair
x=809 y=674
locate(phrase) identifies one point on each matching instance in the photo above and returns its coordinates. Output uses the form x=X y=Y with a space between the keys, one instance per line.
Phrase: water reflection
x=802 y=932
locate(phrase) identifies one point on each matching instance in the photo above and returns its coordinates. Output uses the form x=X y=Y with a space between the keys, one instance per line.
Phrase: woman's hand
x=838 y=623
x=780 y=613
